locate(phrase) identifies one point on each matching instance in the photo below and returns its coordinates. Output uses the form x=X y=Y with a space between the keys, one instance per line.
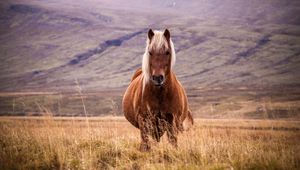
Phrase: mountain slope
x=48 y=45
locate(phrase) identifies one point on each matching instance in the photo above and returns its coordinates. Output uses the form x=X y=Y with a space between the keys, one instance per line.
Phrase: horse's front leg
x=172 y=133
x=172 y=130
x=145 y=132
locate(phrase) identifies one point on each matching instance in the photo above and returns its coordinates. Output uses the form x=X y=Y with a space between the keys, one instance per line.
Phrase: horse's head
x=159 y=57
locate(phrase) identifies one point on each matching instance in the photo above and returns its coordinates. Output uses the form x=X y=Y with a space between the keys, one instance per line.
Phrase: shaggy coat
x=155 y=101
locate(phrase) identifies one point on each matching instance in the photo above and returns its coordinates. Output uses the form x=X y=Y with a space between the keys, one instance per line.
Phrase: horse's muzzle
x=158 y=80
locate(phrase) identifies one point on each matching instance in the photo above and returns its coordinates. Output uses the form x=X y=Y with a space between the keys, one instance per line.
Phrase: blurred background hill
x=222 y=45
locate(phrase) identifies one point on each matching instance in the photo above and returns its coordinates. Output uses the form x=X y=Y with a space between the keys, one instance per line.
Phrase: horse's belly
x=131 y=118
x=131 y=100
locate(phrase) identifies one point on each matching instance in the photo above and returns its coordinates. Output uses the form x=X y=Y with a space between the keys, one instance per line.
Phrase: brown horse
x=155 y=101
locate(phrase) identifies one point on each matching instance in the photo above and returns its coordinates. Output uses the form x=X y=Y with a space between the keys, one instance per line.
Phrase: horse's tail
x=188 y=121
x=136 y=74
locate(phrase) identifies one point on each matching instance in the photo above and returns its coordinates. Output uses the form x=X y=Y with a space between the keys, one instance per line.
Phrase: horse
x=155 y=101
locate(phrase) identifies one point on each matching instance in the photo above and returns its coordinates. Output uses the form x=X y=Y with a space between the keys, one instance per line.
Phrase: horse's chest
x=159 y=108
x=161 y=104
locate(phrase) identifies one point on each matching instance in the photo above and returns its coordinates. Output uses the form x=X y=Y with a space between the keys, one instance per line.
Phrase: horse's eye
x=167 y=53
x=150 y=53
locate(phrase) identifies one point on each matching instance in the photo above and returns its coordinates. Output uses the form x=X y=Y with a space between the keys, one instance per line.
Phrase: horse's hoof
x=145 y=148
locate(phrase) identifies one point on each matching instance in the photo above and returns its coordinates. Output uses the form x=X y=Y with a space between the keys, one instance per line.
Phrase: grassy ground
x=112 y=143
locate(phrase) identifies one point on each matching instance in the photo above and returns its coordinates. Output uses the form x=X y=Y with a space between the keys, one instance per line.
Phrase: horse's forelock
x=157 y=42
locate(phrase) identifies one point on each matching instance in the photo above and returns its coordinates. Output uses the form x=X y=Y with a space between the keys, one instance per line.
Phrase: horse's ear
x=150 y=34
x=167 y=34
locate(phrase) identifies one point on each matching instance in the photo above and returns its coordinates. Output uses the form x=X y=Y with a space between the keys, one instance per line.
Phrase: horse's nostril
x=158 y=79
x=161 y=78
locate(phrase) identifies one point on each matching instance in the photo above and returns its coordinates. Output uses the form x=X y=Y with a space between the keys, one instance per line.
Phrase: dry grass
x=72 y=143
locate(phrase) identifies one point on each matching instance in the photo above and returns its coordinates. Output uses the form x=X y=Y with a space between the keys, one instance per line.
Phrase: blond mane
x=158 y=41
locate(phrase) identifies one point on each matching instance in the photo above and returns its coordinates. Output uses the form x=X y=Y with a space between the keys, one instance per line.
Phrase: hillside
x=48 y=45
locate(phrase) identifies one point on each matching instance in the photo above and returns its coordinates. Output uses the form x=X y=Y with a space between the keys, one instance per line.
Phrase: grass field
x=112 y=143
